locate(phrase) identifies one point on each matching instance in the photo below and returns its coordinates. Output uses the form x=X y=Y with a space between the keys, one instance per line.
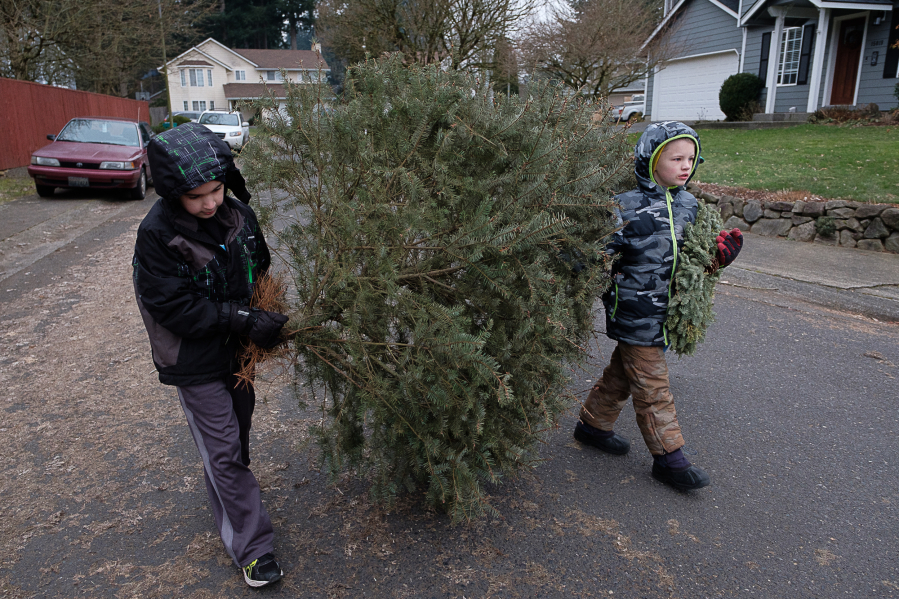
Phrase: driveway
x=788 y=405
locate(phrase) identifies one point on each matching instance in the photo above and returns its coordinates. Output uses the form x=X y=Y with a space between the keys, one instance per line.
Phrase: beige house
x=211 y=76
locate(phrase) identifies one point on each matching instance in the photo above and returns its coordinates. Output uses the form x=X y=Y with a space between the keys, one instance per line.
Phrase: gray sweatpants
x=219 y=417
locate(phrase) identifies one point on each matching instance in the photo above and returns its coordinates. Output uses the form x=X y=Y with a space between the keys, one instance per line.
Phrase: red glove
x=729 y=245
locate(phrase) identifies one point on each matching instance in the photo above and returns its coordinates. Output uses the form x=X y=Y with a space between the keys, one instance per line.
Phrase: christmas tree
x=445 y=247
x=690 y=309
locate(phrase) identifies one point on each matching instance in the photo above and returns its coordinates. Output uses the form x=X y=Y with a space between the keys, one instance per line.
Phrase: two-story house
x=211 y=76
x=809 y=53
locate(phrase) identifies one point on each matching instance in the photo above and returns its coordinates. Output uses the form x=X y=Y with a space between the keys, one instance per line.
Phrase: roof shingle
x=283 y=59
x=240 y=91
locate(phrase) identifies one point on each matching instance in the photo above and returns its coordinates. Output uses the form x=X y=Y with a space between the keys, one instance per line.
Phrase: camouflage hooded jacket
x=647 y=244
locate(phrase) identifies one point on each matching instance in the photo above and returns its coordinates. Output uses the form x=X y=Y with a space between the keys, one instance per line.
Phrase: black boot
x=606 y=441
x=674 y=469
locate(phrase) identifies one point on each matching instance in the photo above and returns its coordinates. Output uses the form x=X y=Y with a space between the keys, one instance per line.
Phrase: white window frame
x=273 y=76
x=789 y=56
x=185 y=106
x=196 y=78
x=199 y=105
x=240 y=75
x=211 y=104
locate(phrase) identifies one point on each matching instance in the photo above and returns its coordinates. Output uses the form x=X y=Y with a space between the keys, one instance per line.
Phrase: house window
x=211 y=104
x=274 y=76
x=185 y=105
x=790 y=49
x=196 y=77
x=199 y=106
x=240 y=75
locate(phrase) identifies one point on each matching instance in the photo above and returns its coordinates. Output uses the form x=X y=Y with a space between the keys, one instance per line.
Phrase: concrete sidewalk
x=845 y=279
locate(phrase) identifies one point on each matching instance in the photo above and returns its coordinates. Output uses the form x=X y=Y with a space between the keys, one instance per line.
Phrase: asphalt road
x=789 y=405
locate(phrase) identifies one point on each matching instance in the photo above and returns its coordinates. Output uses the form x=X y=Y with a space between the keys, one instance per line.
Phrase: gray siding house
x=810 y=53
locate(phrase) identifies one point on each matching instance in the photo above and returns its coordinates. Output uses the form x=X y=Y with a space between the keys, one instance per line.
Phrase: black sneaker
x=683 y=479
x=264 y=570
x=613 y=443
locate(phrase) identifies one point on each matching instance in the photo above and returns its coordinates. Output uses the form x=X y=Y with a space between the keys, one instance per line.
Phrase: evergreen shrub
x=738 y=94
x=826 y=226
x=446 y=249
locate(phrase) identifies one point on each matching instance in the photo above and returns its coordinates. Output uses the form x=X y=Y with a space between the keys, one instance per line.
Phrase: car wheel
x=45 y=191
x=636 y=117
x=140 y=190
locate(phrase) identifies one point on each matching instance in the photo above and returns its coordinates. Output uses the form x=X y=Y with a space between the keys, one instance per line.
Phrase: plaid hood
x=188 y=156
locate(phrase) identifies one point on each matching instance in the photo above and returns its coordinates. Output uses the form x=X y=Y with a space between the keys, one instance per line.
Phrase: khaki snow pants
x=640 y=372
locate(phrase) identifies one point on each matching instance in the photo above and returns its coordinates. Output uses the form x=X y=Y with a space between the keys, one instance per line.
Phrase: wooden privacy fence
x=30 y=111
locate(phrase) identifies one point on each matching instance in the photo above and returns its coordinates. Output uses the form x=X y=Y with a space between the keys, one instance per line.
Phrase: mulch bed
x=755 y=194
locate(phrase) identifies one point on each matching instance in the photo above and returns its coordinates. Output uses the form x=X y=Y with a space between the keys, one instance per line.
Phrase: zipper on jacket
x=246 y=253
x=668 y=201
x=615 y=307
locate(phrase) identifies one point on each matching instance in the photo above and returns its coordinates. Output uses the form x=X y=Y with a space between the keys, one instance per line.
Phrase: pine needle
x=270 y=294
x=690 y=309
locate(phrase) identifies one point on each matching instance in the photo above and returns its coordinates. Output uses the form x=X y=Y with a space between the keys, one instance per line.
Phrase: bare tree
x=596 y=46
x=100 y=45
x=426 y=31
x=33 y=36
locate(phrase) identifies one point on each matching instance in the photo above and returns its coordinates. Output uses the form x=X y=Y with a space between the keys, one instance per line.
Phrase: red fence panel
x=30 y=111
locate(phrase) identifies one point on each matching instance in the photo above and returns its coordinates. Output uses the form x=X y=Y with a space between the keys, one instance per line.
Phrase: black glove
x=729 y=245
x=263 y=327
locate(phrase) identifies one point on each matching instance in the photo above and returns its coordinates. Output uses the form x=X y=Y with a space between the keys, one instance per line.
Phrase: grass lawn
x=12 y=188
x=860 y=163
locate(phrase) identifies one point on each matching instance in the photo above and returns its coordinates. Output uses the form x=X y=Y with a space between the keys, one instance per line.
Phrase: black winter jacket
x=181 y=279
x=182 y=276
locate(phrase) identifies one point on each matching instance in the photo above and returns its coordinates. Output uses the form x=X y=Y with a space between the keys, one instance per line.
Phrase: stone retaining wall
x=873 y=227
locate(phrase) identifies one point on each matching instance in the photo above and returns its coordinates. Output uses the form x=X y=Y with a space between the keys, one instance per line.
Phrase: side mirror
x=245 y=124
x=51 y=137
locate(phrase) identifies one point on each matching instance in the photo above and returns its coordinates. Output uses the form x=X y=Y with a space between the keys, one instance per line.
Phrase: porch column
x=814 y=88
x=774 y=57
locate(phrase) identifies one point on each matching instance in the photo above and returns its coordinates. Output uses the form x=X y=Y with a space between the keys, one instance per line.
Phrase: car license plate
x=78 y=182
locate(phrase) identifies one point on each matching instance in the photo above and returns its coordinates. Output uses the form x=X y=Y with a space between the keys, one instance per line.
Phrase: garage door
x=687 y=89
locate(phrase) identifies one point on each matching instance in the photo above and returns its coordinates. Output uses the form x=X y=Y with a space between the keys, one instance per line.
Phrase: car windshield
x=95 y=131
x=211 y=118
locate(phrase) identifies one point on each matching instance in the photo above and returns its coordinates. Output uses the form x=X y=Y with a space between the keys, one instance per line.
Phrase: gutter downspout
x=742 y=51
x=814 y=91
x=774 y=57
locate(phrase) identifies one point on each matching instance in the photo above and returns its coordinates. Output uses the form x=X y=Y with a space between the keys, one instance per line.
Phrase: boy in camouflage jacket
x=651 y=232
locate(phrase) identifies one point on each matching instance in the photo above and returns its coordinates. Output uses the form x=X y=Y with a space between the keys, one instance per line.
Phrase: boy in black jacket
x=197 y=255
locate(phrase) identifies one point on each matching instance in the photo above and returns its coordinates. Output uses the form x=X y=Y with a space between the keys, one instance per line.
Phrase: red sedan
x=95 y=152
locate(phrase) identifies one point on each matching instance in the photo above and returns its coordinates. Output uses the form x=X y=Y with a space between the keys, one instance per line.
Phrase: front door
x=845 y=73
